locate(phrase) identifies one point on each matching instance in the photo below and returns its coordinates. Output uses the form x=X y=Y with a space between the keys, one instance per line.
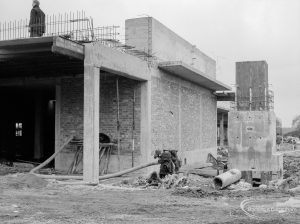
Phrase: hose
x=51 y=157
x=60 y=177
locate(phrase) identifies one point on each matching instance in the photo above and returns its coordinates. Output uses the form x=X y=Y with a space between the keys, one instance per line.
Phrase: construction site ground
x=25 y=198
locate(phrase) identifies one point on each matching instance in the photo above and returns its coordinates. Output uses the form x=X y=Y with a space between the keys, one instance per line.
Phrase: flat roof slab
x=189 y=73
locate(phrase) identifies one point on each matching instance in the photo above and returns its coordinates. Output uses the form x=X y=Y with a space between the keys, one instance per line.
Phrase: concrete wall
x=252 y=141
x=183 y=118
x=71 y=117
x=149 y=35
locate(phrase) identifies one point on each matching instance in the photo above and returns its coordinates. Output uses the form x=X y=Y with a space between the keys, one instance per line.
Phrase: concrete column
x=222 y=130
x=146 y=121
x=57 y=116
x=91 y=124
x=38 y=131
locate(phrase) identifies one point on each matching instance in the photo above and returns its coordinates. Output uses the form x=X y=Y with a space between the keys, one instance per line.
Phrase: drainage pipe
x=51 y=157
x=227 y=178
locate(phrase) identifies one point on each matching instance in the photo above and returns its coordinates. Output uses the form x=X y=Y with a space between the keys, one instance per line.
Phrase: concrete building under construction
x=252 y=125
x=156 y=91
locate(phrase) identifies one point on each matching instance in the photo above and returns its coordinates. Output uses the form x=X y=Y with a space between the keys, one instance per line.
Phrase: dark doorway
x=27 y=119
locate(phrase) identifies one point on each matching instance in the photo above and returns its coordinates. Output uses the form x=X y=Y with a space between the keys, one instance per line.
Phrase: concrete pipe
x=227 y=178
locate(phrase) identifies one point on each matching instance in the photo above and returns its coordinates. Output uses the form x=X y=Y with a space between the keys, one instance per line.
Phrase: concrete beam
x=117 y=62
x=57 y=116
x=192 y=74
x=91 y=123
x=68 y=48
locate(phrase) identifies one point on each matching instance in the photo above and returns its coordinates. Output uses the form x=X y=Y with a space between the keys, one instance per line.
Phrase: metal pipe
x=227 y=178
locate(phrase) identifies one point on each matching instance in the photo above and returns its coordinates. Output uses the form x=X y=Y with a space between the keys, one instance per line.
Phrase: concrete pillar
x=91 y=124
x=221 y=131
x=38 y=131
x=57 y=116
x=146 y=121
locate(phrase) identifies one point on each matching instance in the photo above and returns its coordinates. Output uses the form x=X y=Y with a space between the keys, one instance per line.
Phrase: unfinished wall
x=149 y=35
x=108 y=117
x=183 y=118
x=71 y=117
x=252 y=141
x=70 y=114
x=252 y=85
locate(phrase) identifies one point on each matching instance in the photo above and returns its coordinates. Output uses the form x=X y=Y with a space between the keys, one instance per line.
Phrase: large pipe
x=51 y=157
x=62 y=177
x=227 y=178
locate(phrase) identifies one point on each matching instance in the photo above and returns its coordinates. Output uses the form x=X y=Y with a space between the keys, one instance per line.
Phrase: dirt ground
x=26 y=199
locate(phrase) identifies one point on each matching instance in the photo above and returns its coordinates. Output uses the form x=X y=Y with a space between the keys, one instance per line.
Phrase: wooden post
x=91 y=124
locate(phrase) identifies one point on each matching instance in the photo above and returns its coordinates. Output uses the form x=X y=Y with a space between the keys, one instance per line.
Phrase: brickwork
x=183 y=115
x=108 y=111
x=71 y=114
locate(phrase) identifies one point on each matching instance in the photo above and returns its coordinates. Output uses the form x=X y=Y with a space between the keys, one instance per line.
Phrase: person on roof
x=37 y=20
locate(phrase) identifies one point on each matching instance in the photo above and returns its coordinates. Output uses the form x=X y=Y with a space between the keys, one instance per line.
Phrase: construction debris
x=240 y=186
x=173 y=181
x=227 y=178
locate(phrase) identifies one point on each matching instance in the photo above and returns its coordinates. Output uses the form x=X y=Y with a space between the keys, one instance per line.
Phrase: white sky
x=227 y=30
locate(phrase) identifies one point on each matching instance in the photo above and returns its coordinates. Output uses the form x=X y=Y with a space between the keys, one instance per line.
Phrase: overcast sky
x=227 y=30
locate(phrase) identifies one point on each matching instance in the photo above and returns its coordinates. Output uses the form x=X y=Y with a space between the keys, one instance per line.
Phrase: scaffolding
x=255 y=103
x=74 y=26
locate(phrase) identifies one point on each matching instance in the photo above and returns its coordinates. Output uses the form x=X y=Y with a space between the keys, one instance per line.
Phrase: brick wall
x=71 y=114
x=108 y=111
x=183 y=115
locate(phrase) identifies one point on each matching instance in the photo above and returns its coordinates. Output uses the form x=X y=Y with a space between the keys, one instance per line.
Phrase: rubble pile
x=291 y=166
x=169 y=182
x=173 y=181
x=240 y=186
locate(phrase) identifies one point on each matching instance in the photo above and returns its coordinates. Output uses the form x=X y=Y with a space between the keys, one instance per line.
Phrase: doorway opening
x=27 y=118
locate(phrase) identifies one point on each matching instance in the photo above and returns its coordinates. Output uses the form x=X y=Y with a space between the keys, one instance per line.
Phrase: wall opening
x=27 y=118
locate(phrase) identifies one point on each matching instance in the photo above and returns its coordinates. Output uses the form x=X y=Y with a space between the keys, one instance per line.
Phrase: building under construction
x=155 y=91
